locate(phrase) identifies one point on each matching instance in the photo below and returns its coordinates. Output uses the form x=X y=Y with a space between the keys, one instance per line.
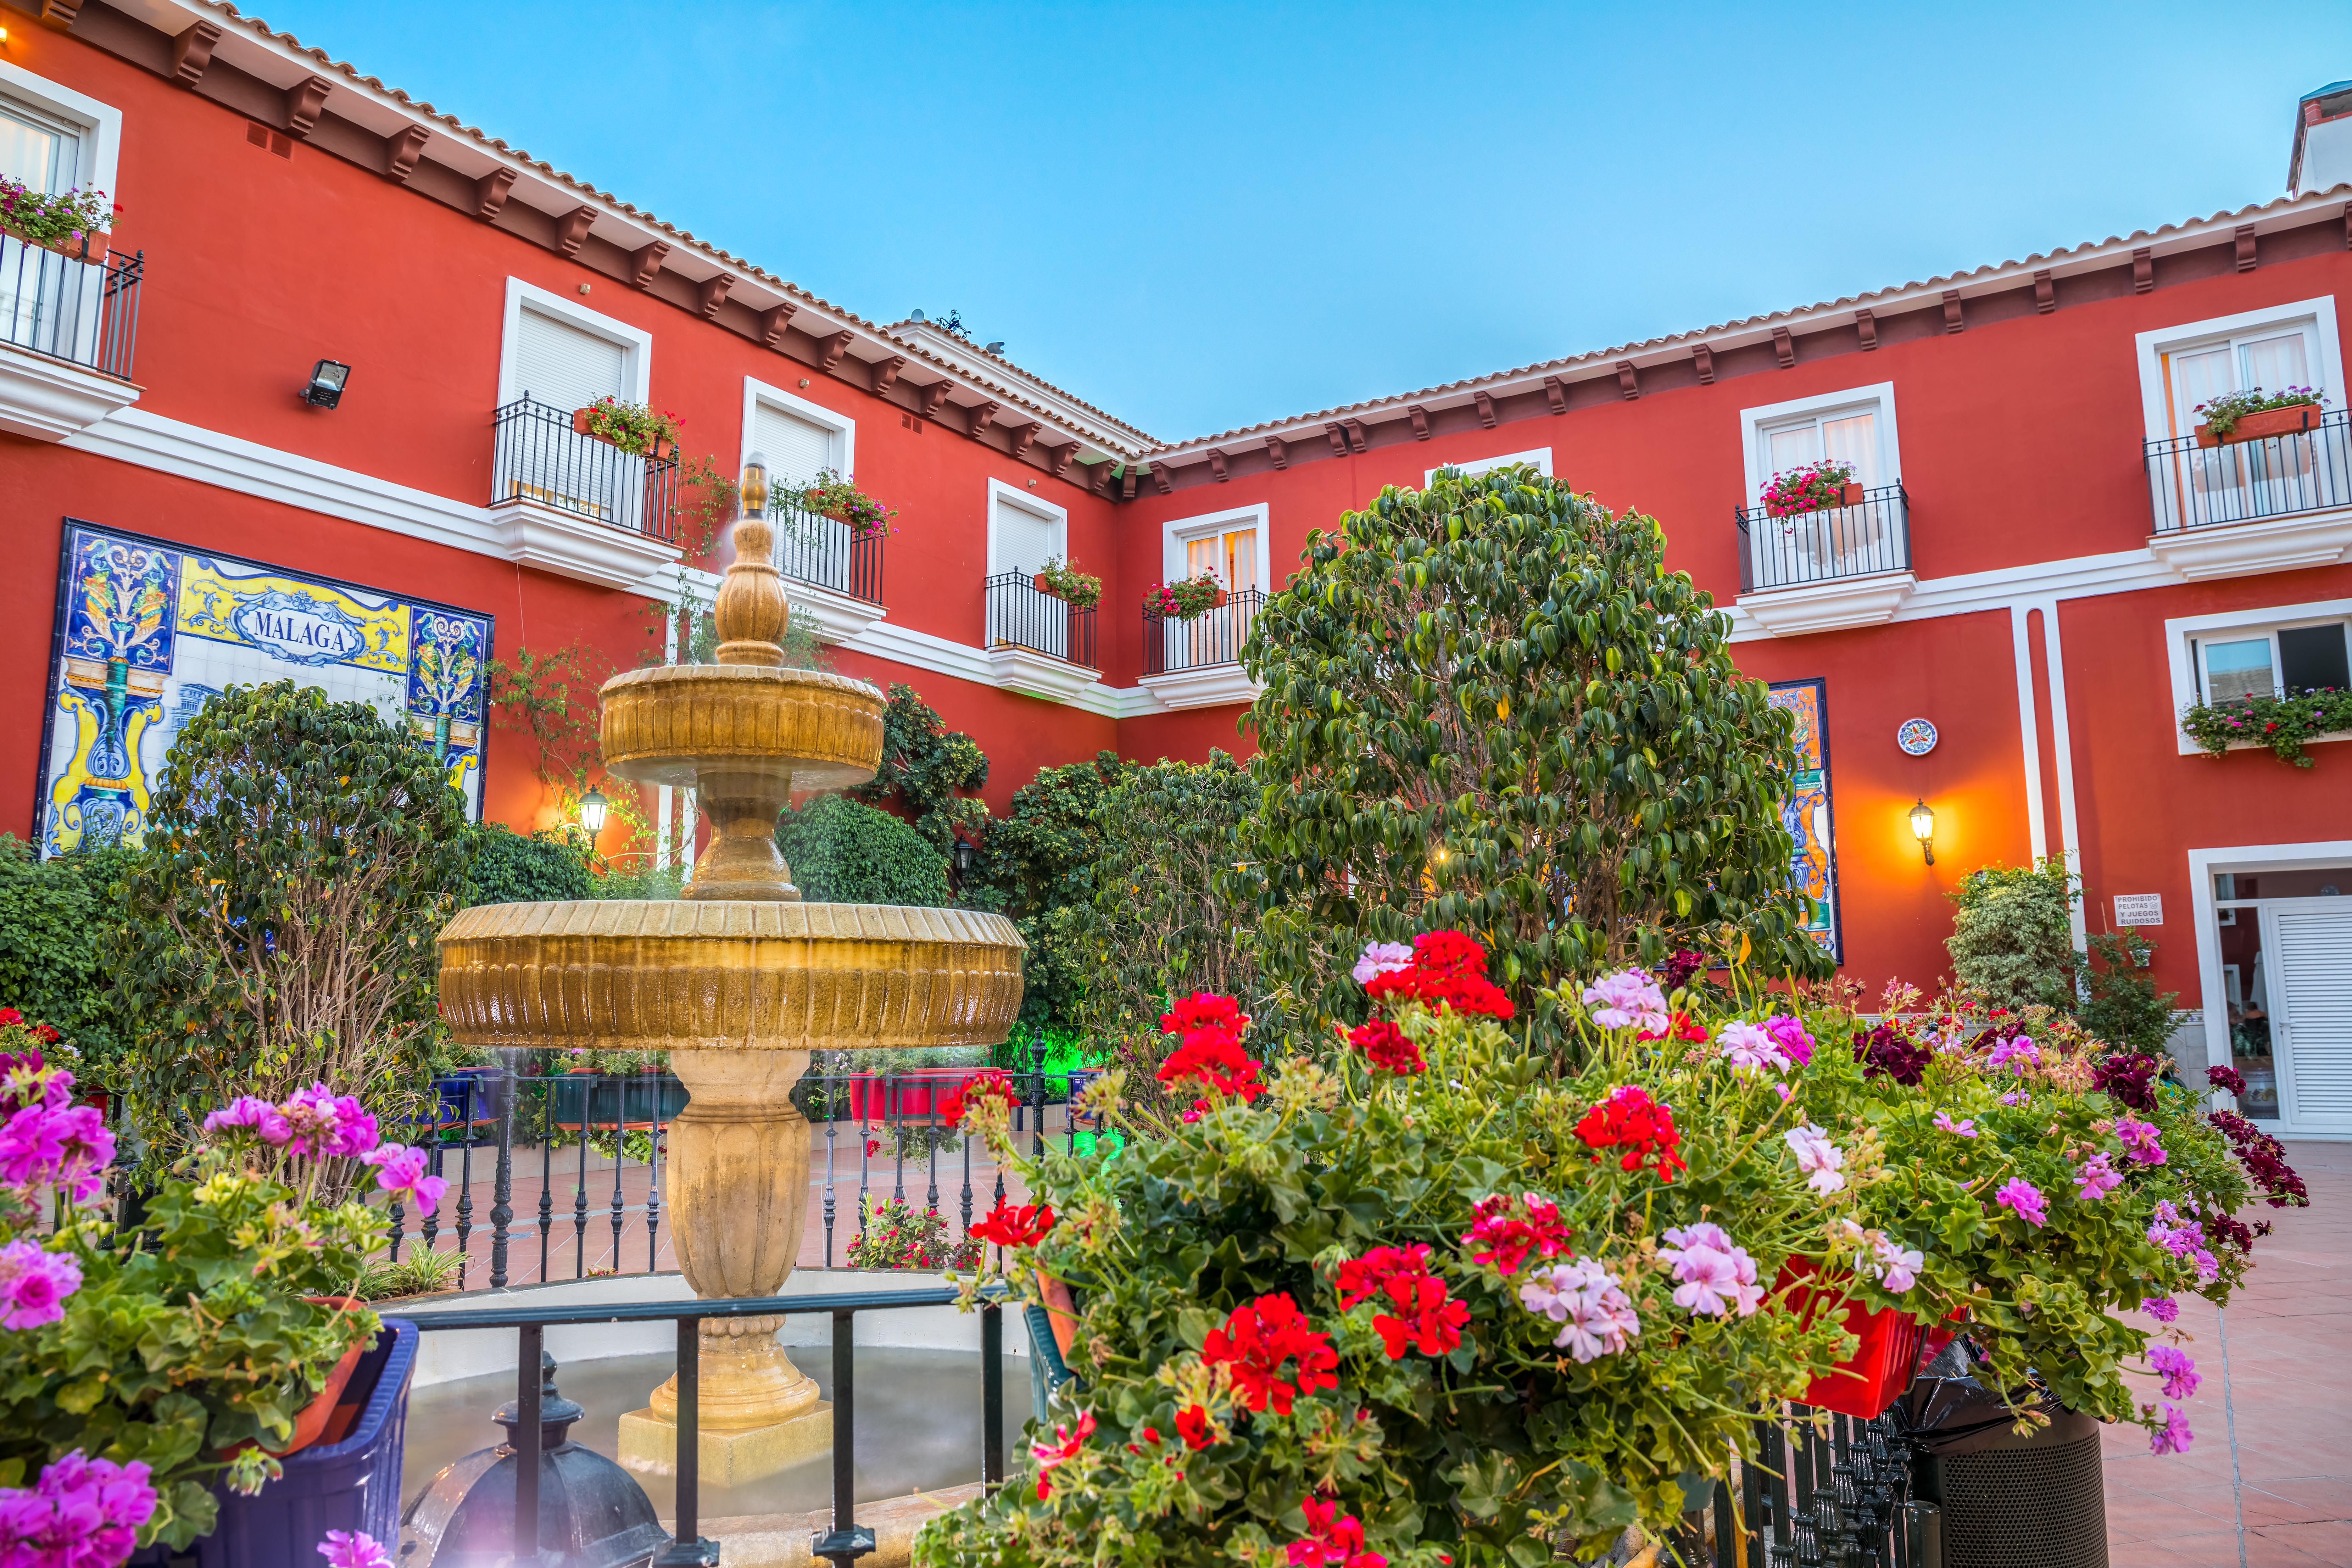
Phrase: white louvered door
x=2308 y=942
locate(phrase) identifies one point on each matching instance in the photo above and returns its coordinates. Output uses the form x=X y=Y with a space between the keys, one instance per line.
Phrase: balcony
x=571 y=504
x=68 y=327
x=2269 y=505
x=1196 y=663
x=1830 y=570
x=1038 y=644
x=836 y=576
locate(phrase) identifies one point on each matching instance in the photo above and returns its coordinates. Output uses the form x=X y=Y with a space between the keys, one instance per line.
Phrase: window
x=565 y=366
x=1230 y=546
x=38 y=150
x=795 y=436
x=54 y=140
x=2258 y=653
x=1024 y=531
x=2270 y=357
x=1540 y=456
x=1855 y=427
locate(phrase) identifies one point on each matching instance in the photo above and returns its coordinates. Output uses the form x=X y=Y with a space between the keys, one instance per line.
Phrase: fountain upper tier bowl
x=673 y=723
x=639 y=975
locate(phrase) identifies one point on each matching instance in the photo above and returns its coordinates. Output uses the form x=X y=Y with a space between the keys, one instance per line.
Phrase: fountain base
x=757 y=1413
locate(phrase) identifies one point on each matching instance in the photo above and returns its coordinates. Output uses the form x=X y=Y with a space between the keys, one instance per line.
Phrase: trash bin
x=2005 y=1501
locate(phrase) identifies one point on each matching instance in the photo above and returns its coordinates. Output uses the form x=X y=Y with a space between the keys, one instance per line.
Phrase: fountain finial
x=752 y=611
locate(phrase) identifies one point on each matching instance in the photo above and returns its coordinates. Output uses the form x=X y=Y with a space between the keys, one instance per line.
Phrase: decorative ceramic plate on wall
x=1917 y=737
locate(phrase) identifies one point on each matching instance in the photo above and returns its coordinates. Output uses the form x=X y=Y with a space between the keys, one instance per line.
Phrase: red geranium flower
x=1258 y=1339
x=1431 y=1322
x=1448 y=953
x=1217 y=1059
x=1386 y=1048
x=1049 y=1455
x=1509 y=1231
x=1333 y=1540
x=1014 y=1224
x=1631 y=1121
x=1679 y=1028
x=989 y=1083
x=10 y=1017
x=1193 y=1425
x=1204 y=1010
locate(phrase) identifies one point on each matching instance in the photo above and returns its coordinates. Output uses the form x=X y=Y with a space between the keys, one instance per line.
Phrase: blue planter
x=353 y=1485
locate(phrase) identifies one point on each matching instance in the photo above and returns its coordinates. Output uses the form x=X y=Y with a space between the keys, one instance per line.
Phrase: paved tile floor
x=2289 y=1387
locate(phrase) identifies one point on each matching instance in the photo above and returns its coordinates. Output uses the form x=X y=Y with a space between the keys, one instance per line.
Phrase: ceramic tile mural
x=1807 y=814
x=147 y=631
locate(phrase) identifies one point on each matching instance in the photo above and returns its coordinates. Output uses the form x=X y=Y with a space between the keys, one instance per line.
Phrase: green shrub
x=842 y=852
x=926 y=767
x=2013 y=938
x=1490 y=705
x=2125 y=1007
x=1036 y=866
x=56 y=917
x=509 y=868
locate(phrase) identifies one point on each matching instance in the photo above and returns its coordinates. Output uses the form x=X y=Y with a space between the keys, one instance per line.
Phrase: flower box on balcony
x=633 y=429
x=2293 y=420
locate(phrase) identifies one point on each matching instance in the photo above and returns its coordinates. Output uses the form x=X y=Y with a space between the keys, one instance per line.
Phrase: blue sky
x=1201 y=216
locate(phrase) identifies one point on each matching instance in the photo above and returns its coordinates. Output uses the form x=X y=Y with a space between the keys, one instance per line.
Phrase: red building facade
x=2043 y=563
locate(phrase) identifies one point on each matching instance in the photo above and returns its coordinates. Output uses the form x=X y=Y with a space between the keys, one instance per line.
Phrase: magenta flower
x=2174 y=1436
x=81 y=1513
x=327 y=1125
x=2163 y=1308
x=2016 y=1097
x=1599 y=1316
x=248 y=1114
x=1747 y=1046
x=34 y=1284
x=2017 y=1053
x=1716 y=1275
x=1797 y=1044
x=1382 y=957
x=2180 y=1373
x=349 y=1549
x=1625 y=999
x=2024 y=1199
x=41 y=1146
x=1944 y=1123
x=402 y=1170
x=2096 y=1177
x=1816 y=1156
x=2139 y=1140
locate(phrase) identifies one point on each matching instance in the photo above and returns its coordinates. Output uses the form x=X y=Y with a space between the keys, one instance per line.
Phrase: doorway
x=2277 y=941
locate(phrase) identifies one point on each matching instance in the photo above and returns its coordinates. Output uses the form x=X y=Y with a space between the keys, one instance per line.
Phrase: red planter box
x=920 y=1091
x=1880 y=1369
x=2261 y=427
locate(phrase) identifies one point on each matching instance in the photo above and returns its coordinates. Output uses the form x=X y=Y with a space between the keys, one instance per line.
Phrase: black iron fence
x=541 y=457
x=1022 y=615
x=561 y=1176
x=1872 y=535
x=82 y=308
x=2192 y=486
x=1172 y=642
x=826 y=551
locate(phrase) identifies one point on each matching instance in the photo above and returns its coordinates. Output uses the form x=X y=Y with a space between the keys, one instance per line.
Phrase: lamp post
x=1922 y=828
x=592 y=814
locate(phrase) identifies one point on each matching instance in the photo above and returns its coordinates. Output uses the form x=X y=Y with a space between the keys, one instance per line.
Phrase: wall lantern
x=592 y=812
x=326 y=388
x=967 y=856
x=1922 y=828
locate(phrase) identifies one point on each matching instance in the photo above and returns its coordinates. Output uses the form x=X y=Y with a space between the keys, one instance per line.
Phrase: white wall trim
x=756 y=391
x=1878 y=395
x=2029 y=730
x=1472 y=467
x=2150 y=346
x=100 y=150
x=2178 y=630
x=2202 y=863
x=1177 y=531
x=1031 y=502
x=2061 y=745
x=637 y=366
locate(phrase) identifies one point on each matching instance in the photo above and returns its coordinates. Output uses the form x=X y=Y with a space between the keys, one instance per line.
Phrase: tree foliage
x=2012 y=938
x=2123 y=1007
x=300 y=857
x=1036 y=865
x=510 y=868
x=1489 y=706
x=926 y=768
x=844 y=852
x=55 y=917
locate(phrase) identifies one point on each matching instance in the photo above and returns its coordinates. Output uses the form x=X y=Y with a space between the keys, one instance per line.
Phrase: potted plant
x=631 y=427
x=73 y=225
x=1815 y=487
x=1066 y=583
x=1187 y=600
x=836 y=496
x=2256 y=415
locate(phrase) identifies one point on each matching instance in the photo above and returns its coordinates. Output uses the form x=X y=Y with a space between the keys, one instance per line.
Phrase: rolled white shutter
x=564 y=366
x=796 y=448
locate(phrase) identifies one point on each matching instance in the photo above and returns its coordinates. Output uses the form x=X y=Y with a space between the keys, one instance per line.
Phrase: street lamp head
x=592 y=812
x=1922 y=828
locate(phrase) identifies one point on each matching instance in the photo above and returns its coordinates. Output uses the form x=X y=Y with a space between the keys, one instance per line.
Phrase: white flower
x=1587 y=1298
x=1748 y=1046
x=1817 y=1156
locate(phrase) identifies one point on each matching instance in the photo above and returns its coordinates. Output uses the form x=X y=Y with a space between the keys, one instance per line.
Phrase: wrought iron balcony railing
x=1022 y=615
x=541 y=457
x=1172 y=642
x=1858 y=540
x=811 y=548
x=2192 y=485
x=80 y=308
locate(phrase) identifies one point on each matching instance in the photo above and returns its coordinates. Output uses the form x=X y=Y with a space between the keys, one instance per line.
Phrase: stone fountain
x=739 y=982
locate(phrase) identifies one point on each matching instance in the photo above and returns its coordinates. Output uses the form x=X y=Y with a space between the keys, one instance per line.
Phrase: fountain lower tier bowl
x=674 y=975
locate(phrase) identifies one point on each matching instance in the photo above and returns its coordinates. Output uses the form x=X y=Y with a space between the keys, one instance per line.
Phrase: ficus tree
x=302 y=855
x=1489 y=705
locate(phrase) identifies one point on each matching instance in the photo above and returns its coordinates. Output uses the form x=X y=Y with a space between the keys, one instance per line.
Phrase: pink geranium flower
x=34 y=1284
x=2023 y=1198
x=2180 y=1373
x=1626 y=999
x=1944 y=1123
x=1715 y=1276
x=1598 y=1315
x=2096 y=1177
x=2174 y=1436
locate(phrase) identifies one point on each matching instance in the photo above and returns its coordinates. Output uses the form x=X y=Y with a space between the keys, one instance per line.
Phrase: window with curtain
x=42 y=152
x=1024 y=539
x=2272 y=358
x=1846 y=436
x=1231 y=554
x=796 y=448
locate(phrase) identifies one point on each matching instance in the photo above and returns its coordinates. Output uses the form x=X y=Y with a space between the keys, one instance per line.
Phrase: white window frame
x=636 y=364
x=756 y=391
x=1058 y=519
x=2241 y=626
x=1877 y=398
x=1471 y=468
x=1178 y=533
x=2318 y=315
x=102 y=144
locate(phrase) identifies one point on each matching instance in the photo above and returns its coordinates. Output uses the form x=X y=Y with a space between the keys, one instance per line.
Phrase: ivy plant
x=2012 y=938
x=843 y=852
x=2284 y=724
x=926 y=770
x=1489 y=705
x=56 y=917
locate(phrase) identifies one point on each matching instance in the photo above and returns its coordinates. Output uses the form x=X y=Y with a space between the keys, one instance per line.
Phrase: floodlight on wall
x=327 y=379
x=1922 y=828
x=592 y=812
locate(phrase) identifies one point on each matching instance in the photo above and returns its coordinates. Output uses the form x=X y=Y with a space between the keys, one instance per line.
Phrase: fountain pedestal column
x=739 y=1156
